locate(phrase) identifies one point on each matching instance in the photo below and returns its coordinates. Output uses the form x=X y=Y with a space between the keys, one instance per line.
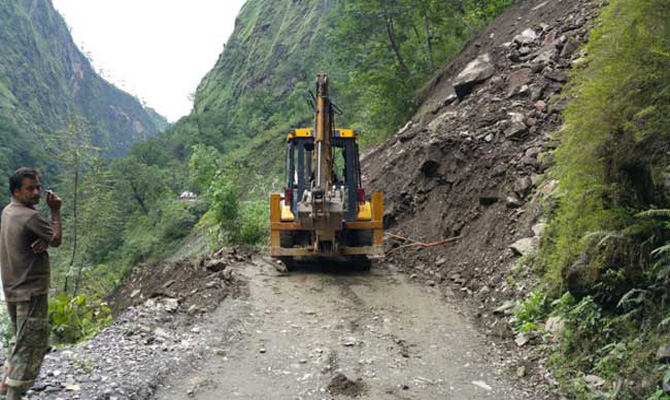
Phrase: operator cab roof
x=309 y=133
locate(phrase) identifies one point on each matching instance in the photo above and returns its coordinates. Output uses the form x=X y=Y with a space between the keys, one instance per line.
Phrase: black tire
x=289 y=263
x=360 y=264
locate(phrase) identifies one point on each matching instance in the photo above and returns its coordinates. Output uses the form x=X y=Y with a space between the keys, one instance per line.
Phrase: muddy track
x=320 y=334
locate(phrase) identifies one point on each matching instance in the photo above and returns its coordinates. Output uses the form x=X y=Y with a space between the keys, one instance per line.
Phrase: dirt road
x=298 y=335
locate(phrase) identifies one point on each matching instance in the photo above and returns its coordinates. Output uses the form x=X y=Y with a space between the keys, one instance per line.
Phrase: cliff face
x=257 y=87
x=44 y=78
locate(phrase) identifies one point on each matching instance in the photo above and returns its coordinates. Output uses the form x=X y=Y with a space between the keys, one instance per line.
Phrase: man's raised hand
x=53 y=201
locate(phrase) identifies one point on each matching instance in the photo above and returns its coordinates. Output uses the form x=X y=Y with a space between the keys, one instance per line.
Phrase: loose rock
x=478 y=71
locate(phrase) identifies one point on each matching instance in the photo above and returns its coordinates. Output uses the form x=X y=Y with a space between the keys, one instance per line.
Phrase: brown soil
x=340 y=385
x=199 y=284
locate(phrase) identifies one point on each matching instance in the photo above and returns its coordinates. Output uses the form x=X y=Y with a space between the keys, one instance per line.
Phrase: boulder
x=523 y=185
x=522 y=339
x=408 y=135
x=533 y=151
x=478 y=71
x=518 y=79
x=404 y=128
x=216 y=265
x=546 y=56
x=505 y=308
x=524 y=246
x=526 y=37
x=569 y=48
x=594 y=381
x=580 y=277
x=515 y=130
x=517 y=126
x=451 y=98
x=555 y=326
x=171 y=305
x=512 y=201
x=555 y=76
x=538 y=229
x=536 y=92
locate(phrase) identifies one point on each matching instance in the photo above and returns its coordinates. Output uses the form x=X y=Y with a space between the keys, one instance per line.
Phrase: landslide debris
x=160 y=328
x=187 y=285
x=469 y=171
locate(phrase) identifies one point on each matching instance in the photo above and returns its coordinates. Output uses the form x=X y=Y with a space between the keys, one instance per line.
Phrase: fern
x=633 y=298
x=664 y=213
x=661 y=251
x=665 y=323
x=601 y=237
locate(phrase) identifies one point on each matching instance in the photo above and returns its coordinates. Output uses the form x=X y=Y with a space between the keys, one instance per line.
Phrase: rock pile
x=160 y=329
x=471 y=166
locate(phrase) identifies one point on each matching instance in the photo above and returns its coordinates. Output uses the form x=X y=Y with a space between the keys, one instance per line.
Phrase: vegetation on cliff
x=605 y=255
x=44 y=79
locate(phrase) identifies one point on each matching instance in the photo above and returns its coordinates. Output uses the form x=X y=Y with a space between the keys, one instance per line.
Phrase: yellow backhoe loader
x=323 y=214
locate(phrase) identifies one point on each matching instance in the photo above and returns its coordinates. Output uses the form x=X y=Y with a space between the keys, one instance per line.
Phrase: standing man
x=25 y=236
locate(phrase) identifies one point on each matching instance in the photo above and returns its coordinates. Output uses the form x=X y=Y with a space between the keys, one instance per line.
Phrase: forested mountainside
x=378 y=56
x=45 y=79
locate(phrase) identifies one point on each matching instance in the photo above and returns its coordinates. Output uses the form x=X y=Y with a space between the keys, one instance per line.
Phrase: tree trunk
x=74 y=236
x=429 y=38
x=78 y=280
x=394 y=45
x=139 y=199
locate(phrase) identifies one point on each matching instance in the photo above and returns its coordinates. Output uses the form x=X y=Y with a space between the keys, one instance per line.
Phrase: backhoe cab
x=323 y=212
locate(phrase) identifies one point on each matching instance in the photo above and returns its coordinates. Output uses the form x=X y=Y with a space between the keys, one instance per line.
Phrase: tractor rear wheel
x=288 y=262
x=359 y=263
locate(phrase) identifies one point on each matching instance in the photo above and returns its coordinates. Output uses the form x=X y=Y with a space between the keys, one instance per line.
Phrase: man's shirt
x=24 y=273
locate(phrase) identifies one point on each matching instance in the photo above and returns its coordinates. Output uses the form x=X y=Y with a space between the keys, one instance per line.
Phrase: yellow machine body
x=323 y=212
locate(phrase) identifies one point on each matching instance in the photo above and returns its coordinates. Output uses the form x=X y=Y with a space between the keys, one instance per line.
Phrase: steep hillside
x=258 y=85
x=469 y=173
x=276 y=47
x=466 y=167
x=532 y=182
x=44 y=78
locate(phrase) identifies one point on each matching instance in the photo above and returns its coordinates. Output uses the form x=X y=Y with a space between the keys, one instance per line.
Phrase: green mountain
x=44 y=79
x=257 y=87
x=377 y=54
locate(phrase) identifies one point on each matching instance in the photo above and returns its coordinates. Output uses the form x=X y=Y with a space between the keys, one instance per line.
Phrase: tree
x=391 y=47
x=102 y=220
x=75 y=153
x=141 y=184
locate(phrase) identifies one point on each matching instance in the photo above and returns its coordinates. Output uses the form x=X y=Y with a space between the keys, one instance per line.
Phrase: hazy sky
x=157 y=50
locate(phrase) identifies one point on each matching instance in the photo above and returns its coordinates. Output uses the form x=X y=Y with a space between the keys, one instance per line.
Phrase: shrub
x=255 y=218
x=531 y=312
x=177 y=220
x=78 y=318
